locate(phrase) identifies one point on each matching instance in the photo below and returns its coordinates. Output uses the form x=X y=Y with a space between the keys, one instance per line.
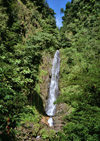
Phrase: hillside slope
x=27 y=30
x=80 y=70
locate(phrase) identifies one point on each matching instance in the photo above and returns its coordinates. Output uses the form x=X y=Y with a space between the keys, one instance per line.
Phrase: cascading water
x=53 y=90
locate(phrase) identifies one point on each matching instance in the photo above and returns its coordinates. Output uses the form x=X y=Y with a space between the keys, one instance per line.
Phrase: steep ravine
x=45 y=76
x=30 y=131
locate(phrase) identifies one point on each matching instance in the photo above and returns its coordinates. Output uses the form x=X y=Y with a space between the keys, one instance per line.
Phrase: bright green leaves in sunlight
x=80 y=73
x=27 y=30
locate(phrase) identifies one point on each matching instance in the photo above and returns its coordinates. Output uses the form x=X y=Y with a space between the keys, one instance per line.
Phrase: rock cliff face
x=45 y=74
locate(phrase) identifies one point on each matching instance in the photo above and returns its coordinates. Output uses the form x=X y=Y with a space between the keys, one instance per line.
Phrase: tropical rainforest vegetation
x=80 y=70
x=28 y=33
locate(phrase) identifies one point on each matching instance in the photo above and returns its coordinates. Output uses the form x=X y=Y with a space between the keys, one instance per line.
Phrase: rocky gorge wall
x=45 y=74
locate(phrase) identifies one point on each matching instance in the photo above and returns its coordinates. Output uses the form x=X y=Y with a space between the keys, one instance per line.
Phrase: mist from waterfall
x=53 y=89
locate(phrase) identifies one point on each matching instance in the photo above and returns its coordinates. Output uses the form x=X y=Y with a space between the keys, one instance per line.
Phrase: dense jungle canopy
x=28 y=38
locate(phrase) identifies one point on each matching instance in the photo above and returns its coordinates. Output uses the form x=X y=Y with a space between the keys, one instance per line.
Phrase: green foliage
x=44 y=40
x=84 y=124
x=27 y=30
x=80 y=83
x=30 y=114
x=12 y=100
x=47 y=134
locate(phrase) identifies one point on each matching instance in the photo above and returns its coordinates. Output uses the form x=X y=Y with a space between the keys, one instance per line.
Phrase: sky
x=56 y=5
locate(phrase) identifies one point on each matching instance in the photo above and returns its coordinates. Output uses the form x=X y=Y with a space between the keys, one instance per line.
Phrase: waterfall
x=53 y=89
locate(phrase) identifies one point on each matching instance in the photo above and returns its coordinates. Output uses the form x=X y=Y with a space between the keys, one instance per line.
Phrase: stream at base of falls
x=53 y=88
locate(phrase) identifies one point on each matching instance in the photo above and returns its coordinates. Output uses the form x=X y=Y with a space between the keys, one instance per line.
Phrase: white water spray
x=53 y=90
